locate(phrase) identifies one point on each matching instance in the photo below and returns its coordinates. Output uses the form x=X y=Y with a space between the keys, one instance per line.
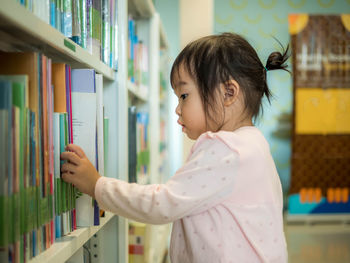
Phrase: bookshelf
x=66 y=246
x=21 y=30
x=25 y=31
x=151 y=32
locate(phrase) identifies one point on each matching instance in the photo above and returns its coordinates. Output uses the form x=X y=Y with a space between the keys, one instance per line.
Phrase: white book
x=99 y=119
x=84 y=132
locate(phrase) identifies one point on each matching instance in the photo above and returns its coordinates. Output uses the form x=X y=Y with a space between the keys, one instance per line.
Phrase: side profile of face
x=190 y=108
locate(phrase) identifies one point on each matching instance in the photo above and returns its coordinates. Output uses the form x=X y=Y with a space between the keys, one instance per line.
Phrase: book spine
x=53 y=13
x=96 y=27
x=105 y=10
x=57 y=173
x=83 y=28
x=89 y=26
x=67 y=18
x=76 y=22
x=5 y=174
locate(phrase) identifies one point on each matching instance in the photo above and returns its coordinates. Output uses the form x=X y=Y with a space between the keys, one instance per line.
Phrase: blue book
x=53 y=13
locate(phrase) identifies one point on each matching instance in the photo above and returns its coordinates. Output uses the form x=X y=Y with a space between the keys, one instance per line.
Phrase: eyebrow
x=181 y=83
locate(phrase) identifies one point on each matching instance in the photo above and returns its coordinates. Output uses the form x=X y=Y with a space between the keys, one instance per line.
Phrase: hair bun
x=277 y=60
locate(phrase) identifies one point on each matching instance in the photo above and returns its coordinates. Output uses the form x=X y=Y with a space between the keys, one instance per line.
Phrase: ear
x=230 y=91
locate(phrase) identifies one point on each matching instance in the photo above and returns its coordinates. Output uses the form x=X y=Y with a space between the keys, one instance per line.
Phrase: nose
x=178 y=110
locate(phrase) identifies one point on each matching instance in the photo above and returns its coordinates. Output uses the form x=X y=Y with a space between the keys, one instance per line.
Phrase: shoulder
x=239 y=140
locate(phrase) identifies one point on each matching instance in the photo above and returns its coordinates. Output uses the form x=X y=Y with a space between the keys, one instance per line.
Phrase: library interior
x=158 y=131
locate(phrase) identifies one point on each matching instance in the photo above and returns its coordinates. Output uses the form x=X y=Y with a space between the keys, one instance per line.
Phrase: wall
x=169 y=12
x=196 y=20
x=258 y=21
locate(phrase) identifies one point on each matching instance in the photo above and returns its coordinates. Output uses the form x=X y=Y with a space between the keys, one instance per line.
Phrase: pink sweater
x=225 y=202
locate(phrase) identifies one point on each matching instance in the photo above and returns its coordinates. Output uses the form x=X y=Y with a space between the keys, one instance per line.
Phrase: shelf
x=141 y=8
x=66 y=246
x=137 y=92
x=21 y=30
x=317 y=218
x=163 y=40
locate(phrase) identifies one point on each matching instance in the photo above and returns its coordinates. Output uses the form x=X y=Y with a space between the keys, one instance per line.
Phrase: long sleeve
x=205 y=180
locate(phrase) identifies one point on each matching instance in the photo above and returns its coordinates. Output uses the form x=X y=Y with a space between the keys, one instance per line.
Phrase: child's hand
x=79 y=171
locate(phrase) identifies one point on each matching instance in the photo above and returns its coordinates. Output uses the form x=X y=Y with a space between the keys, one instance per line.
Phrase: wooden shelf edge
x=66 y=246
x=135 y=90
x=317 y=218
x=163 y=40
x=141 y=8
x=21 y=21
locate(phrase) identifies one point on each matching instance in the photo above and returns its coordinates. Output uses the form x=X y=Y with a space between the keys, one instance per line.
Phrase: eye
x=183 y=96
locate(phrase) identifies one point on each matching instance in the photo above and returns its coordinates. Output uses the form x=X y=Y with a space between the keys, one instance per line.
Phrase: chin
x=192 y=137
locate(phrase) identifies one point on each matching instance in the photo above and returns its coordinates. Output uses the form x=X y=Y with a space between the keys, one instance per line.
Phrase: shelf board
x=163 y=40
x=136 y=91
x=66 y=246
x=141 y=8
x=21 y=30
x=317 y=218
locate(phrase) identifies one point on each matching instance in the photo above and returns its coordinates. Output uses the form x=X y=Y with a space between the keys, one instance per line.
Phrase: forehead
x=181 y=74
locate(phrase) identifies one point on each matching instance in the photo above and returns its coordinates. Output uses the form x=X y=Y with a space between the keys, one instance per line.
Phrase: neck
x=234 y=125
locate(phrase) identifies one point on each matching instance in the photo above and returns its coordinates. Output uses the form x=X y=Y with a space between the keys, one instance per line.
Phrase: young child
x=226 y=201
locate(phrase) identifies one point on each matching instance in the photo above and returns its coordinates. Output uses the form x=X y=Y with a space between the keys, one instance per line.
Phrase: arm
x=202 y=182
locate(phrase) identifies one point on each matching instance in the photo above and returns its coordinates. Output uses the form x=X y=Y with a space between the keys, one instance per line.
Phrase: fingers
x=68 y=167
x=71 y=157
x=68 y=177
x=76 y=149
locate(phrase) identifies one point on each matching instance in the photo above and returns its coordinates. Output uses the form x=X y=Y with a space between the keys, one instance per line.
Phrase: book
x=105 y=31
x=84 y=132
x=96 y=24
x=132 y=144
x=67 y=18
x=76 y=22
x=5 y=165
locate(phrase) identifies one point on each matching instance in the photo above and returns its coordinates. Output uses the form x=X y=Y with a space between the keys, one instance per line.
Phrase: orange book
x=59 y=85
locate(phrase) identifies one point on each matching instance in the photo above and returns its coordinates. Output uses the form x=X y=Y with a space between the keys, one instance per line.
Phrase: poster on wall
x=320 y=175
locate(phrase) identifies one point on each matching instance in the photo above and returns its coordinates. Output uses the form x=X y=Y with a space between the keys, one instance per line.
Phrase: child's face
x=190 y=108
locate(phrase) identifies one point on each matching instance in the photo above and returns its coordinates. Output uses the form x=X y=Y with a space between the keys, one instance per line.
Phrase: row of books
x=43 y=107
x=138 y=146
x=92 y=24
x=138 y=61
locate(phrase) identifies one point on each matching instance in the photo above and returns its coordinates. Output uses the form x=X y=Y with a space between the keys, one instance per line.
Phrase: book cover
x=84 y=131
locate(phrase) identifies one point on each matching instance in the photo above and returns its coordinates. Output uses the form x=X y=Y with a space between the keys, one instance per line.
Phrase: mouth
x=183 y=126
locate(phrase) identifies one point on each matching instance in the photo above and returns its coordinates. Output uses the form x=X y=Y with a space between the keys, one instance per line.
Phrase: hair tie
x=266 y=69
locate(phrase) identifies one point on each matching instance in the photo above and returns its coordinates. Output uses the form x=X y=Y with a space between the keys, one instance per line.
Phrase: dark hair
x=216 y=59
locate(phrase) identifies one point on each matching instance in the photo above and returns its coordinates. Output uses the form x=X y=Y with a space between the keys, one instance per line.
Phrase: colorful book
x=105 y=31
x=76 y=22
x=96 y=24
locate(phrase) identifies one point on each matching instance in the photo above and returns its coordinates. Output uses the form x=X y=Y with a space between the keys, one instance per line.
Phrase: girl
x=226 y=201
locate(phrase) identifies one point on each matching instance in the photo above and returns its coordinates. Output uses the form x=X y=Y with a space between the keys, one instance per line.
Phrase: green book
x=5 y=165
